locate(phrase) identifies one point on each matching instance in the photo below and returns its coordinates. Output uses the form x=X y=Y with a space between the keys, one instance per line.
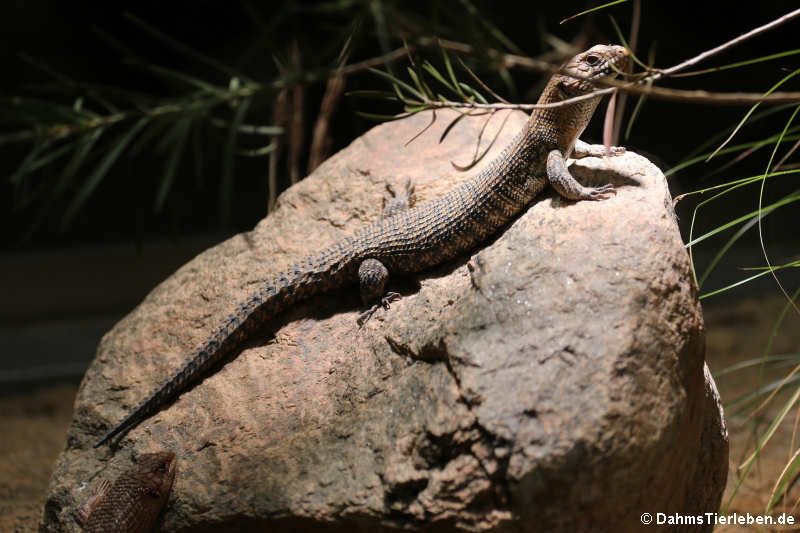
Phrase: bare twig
x=480 y=82
x=705 y=97
x=779 y=164
x=721 y=48
x=321 y=140
x=59 y=131
x=622 y=97
x=279 y=118
x=296 y=130
x=696 y=97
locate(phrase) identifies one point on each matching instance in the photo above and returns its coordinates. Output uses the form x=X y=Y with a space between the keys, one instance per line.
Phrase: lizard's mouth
x=615 y=64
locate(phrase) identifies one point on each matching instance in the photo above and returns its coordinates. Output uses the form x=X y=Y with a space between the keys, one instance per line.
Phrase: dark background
x=246 y=35
x=117 y=248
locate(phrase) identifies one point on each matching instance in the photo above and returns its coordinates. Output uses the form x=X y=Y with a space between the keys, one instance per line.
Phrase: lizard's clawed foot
x=616 y=150
x=601 y=193
x=402 y=198
x=384 y=302
x=408 y=185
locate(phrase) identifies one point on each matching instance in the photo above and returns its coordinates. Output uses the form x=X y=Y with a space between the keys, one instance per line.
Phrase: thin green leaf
x=423 y=130
x=742 y=281
x=635 y=114
x=383 y=118
x=45 y=160
x=197 y=150
x=735 y=184
x=749 y=463
x=97 y=175
x=24 y=167
x=63 y=79
x=508 y=81
x=473 y=93
x=773 y=426
x=450 y=126
x=493 y=30
x=258 y=152
x=776 y=327
x=790 y=264
x=767 y=349
x=430 y=69
x=373 y=95
x=642 y=98
x=761 y=201
x=731 y=186
x=478 y=157
x=703 y=147
x=576 y=15
x=413 y=75
x=737 y=406
x=749 y=363
x=171 y=74
x=154 y=131
x=250 y=129
x=753 y=108
x=181 y=128
x=731 y=149
x=416 y=108
x=39 y=111
x=449 y=67
x=782 y=484
x=181 y=47
x=419 y=74
x=738 y=64
x=52 y=156
x=721 y=253
x=85 y=145
x=398 y=83
x=226 y=185
x=793 y=197
x=624 y=42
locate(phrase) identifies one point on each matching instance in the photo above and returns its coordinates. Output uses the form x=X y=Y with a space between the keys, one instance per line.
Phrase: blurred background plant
x=135 y=122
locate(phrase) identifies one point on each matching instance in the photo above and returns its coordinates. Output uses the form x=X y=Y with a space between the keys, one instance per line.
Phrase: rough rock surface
x=552 y=381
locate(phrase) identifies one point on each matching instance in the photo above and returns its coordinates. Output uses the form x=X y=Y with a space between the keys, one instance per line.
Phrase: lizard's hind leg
x=372 y=278
x=372 y=274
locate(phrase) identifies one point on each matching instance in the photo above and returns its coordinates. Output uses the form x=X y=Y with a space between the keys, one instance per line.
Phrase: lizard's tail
x=193 y=368
x=260 y=307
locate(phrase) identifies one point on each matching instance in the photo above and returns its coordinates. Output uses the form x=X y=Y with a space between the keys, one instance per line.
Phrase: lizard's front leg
x=372 y=274
x=563 y=182
x=400 y=201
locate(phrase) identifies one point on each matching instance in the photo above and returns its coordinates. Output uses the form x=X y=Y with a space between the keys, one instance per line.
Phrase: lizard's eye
x=592 y=60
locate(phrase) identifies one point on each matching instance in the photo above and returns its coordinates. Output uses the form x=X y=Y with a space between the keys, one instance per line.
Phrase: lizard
x=414 y=239
x=132 y=504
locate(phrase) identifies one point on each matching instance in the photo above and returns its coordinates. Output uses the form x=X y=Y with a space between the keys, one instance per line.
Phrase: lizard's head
x=598 y=62
x=157 y=471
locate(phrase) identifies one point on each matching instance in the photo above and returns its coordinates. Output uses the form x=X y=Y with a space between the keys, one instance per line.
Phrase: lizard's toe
x=389 y=298
x=616 y=150
x=601 y=193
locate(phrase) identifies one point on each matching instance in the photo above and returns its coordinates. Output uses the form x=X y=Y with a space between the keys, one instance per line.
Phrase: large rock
x=551 y=381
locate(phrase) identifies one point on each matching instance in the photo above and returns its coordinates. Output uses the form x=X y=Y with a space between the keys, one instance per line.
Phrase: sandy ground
x=736 y=334
x=33 y=430
x=33 y=424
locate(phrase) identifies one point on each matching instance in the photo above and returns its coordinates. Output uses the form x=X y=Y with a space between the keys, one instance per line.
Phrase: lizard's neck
x=559 y=127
